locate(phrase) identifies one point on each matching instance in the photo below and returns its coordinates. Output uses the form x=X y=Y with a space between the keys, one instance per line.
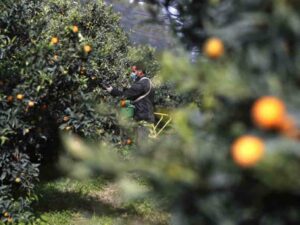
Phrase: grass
x=68 y=201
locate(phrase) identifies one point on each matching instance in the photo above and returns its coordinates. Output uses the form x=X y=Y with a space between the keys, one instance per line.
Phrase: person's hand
x=109 y=89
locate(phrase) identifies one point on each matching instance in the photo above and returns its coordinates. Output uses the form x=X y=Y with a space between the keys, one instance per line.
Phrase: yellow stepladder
x=155 y=129
x=127 y=112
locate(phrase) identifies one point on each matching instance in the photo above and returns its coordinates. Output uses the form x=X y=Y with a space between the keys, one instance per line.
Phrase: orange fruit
x=44 y=107
x=268 y=112
x=87 y=48
x=247 y=150
x=288 y=123
x=293 y=133
x=123 y=103
x=54 y=40
x=6 y=214
x=75 y=29
x=288 y=127
x=129 y=142
x=18 y=180
x=55 y=57
x=10 y=220
x=20 y=97
x=66 y=118
x=10 y=99
x=214 y=48
x=31 y=103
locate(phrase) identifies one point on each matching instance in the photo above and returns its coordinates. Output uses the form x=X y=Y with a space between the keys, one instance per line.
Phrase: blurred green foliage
x=193 y=167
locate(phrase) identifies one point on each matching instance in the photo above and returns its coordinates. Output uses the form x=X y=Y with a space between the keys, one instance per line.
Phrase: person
x=141 y=93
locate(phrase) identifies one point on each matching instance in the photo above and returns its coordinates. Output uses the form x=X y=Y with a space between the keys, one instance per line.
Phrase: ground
x=96 y=201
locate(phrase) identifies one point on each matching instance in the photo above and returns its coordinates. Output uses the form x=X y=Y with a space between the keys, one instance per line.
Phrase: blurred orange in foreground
x=247 y=150
x=289 y=128
x=268 y=112
x=214 y=48
x=288 y=123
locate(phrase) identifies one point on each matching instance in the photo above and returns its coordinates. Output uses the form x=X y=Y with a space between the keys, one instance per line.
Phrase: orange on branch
x=55 y=57
x=20 y=97
x=268 y=112
x=214 y=48
x=75 y=29
x=247 y=150
x=129 y=142
x=31 y=103
x=10 y=99
x=123 y=103
x=66 y=118
x=54 y=40
x=87 y=48
x=18 y=180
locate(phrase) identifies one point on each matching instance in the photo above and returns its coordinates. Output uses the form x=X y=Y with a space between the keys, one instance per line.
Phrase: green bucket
x=127 y=112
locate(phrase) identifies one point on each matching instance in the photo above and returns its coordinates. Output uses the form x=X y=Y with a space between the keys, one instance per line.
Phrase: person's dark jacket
x=144 y=109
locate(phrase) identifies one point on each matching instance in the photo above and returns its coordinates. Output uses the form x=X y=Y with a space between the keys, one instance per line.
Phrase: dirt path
x=110 y=195
x=95 y=201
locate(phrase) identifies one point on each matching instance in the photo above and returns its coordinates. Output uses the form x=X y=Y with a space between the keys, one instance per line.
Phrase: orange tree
x=54 y=56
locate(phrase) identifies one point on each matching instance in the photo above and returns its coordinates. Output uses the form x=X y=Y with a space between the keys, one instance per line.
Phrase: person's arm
x=116 y=92
x=136 y=90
